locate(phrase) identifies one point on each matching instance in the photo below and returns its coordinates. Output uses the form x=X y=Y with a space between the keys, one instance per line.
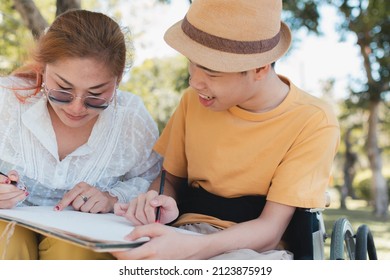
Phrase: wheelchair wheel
x=342 y=243
x=365 y=244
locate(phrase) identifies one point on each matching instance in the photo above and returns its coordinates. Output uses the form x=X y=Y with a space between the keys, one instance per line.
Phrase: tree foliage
x=13 y=44
x=31 y=16
x=370 y=22
x=300 y=14
x=159 y=82
x=21 y=22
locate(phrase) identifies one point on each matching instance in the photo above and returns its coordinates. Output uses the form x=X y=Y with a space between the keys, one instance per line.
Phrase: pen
x=19 y=185
x=160 y=192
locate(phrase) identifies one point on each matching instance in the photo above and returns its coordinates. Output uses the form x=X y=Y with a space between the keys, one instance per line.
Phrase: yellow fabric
x=26 y=244
x=285 y=154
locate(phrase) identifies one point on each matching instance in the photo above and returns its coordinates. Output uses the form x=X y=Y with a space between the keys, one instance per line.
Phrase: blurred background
x=340 y=53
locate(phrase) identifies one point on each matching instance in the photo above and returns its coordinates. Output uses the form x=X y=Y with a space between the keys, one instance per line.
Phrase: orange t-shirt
x=285 y=153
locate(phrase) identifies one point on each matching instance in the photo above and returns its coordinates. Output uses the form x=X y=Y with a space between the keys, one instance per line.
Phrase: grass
x=359 y=213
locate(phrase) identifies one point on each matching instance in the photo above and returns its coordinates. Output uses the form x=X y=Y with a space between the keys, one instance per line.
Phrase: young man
x=245 y=146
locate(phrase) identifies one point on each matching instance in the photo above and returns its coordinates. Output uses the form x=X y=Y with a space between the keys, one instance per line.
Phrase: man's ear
x=261 y=72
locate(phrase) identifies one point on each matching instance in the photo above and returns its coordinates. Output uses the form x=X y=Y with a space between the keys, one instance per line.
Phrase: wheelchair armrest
x=305 y=234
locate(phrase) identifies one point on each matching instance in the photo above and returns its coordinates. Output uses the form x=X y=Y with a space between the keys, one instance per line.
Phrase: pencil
x=12 y=182
x=19 y=185
x=160 y=192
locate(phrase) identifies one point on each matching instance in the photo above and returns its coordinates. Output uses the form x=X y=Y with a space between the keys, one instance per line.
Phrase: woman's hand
x=86 y=198
x=10 y=194
x=142 y=210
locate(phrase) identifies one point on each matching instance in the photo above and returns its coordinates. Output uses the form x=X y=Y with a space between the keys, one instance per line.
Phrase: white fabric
x=117 y=158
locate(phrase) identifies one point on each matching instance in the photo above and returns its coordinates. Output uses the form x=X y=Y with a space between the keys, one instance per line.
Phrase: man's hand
x=142 y=210
x=165 y=244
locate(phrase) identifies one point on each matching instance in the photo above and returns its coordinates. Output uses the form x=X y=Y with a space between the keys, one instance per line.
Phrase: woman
x=70 y=135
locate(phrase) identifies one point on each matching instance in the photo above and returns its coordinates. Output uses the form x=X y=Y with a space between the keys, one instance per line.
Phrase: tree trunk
x=34 y=20
x=64 y=5
x=349 y=170
x=31 y=16
x=379 y=188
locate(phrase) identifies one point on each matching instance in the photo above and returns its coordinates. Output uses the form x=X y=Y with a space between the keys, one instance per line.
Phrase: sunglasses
x=63 y=97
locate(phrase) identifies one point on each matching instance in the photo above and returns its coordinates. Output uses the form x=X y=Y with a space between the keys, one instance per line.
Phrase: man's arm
x=172 y=185
x=261 y=234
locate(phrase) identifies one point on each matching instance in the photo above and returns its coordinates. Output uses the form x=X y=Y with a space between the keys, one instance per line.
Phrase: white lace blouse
x=117 y=158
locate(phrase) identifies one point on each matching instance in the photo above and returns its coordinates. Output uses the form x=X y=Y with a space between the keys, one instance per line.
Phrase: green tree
x=352 y=141
x=159 y=82
x=22 y=21
x=370 y=22
x=13 y=44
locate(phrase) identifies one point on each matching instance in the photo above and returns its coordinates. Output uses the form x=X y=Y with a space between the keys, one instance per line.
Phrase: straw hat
x=231 y=35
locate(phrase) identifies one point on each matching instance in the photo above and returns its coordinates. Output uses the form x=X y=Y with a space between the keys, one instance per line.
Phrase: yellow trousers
x=25 y=244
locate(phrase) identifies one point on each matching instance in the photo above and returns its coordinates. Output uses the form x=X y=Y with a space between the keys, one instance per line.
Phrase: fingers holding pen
x=12 y=192
x=4 y=179
x=13 y=175
x=11 y=178
x=142 y=210
x=139 y=210
x=167 y=208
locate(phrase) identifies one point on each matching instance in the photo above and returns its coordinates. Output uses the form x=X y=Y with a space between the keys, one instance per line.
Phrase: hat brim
x=222 y=61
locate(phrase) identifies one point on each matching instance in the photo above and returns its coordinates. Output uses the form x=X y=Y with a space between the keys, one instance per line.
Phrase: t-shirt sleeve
x=171 y=144
x=303 y=175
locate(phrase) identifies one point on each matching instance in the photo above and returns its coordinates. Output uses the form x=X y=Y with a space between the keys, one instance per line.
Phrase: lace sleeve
x=137 y=141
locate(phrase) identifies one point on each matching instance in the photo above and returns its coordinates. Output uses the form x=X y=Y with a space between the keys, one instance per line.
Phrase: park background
x=340 y=53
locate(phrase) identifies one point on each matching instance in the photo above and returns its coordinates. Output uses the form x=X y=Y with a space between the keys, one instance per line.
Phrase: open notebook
x=98 y=232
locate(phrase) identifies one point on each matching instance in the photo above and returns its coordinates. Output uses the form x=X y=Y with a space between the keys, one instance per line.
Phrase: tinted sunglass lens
x=64 y=97
x=60 y=96
x=96 y=103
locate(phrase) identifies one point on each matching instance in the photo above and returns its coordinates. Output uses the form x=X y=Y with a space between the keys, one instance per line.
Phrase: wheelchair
x=306 y=238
